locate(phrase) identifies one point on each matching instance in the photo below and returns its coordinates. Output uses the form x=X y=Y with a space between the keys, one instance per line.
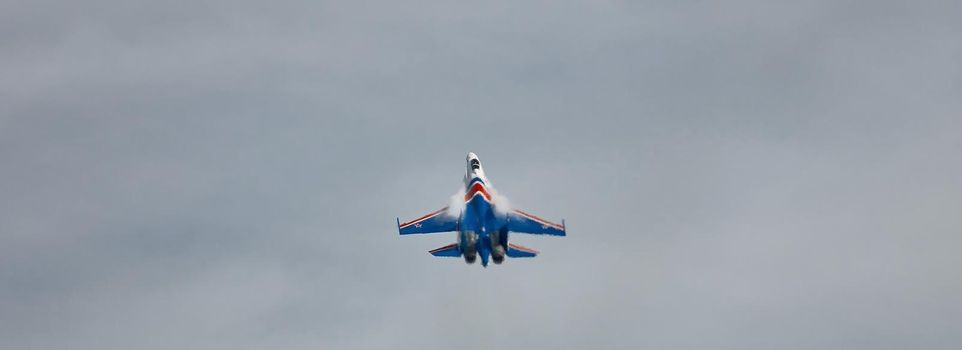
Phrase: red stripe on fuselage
x=475 y=189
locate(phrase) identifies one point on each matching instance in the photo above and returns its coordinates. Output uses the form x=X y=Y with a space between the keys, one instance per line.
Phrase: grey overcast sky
x=734 y=175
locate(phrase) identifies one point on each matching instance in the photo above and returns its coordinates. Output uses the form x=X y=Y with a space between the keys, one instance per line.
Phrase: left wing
x=519 y=221
x=437 y=221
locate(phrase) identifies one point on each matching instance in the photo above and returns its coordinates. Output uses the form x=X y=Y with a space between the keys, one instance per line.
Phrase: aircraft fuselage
x=483 y=230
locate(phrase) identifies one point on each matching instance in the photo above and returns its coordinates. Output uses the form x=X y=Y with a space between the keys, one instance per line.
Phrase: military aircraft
x=482 y=222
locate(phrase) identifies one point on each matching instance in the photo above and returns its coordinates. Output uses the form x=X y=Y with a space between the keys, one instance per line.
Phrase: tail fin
x=517 y=251
x=448 y=250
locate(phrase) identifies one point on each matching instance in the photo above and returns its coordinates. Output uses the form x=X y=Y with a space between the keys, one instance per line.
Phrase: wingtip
x=398 y=220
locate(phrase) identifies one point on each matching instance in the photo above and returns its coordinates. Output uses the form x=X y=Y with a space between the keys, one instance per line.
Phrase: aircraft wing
x=434 y=222
x=519 y=221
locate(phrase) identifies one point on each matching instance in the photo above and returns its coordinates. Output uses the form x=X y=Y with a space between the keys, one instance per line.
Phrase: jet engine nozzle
x=497 y=254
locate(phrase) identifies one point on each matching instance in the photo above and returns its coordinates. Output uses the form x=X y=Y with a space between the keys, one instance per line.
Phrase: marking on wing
x=417 y=222
x=544 y=223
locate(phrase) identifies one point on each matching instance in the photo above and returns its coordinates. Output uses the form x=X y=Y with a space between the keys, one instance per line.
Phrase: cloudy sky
x=226 y=175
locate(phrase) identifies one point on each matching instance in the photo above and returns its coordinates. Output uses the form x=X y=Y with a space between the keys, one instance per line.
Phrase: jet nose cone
x=471 y=156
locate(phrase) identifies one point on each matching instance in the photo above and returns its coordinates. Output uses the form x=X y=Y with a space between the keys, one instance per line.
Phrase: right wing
x=519 y=221
x=437 y=221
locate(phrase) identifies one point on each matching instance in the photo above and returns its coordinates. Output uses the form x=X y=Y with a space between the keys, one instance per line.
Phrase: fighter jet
x=482 y=222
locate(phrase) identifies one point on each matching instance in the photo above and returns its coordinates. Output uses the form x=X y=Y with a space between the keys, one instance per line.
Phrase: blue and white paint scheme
x=483 y=222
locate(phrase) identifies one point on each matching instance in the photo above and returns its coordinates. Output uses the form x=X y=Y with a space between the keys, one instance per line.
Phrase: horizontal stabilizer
x=517 y=251
x=448 y=250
